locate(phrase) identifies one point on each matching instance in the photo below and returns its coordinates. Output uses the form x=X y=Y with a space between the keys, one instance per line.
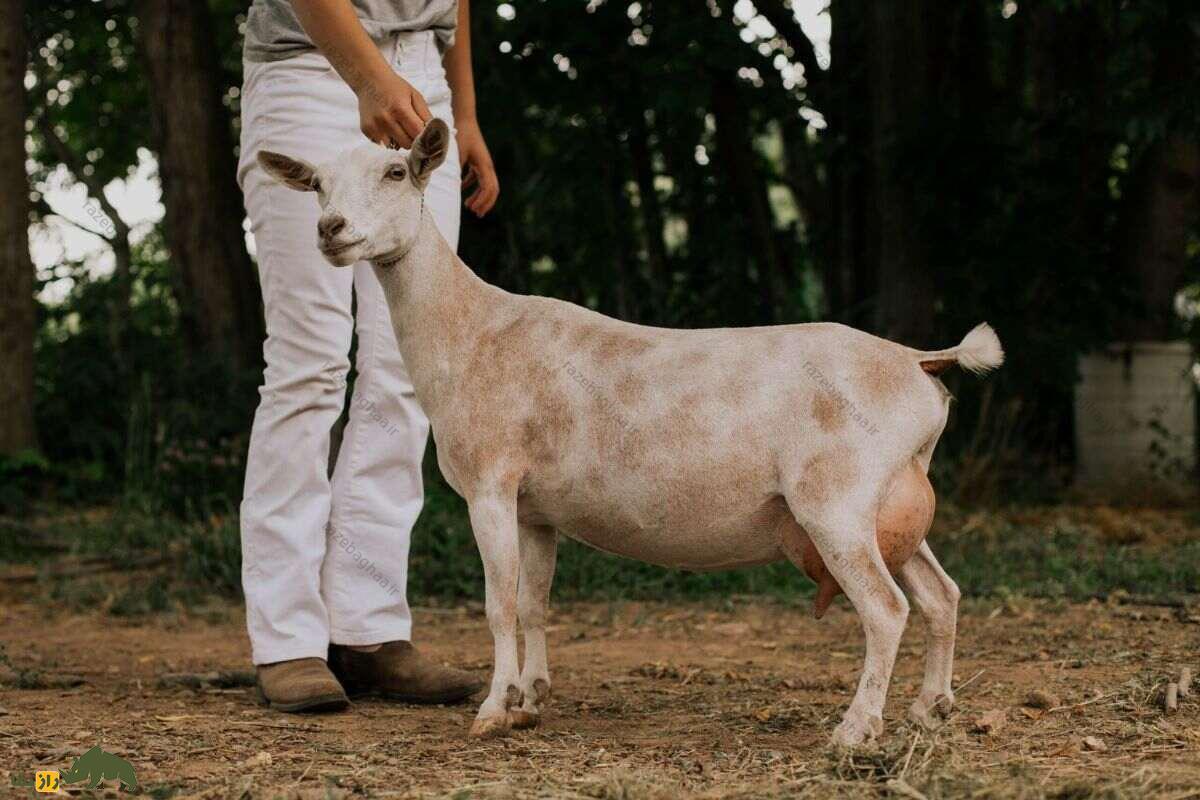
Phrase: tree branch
x=45 y=209
x=783 y=19
x=68 y=159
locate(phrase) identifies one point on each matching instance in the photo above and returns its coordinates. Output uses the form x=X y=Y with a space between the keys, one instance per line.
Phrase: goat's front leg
x=539 y=547
x=847 y=544
x=936 y=597
x=494 y=521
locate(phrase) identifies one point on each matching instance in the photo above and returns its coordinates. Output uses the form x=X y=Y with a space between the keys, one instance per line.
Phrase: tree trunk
x=804 y=178
x=735 y=152
x=617 y=214
x=651 y=212
x=1162 y=206
x=850 y=265
x=901 y=89
x=1069 y=101
x=122 y=310
x=203 y=224
x=17 y=310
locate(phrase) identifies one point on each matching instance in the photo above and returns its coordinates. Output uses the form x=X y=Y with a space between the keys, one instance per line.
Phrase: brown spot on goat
x=581 y=334
x=681 y=424
x=735 y=388
x=827 y=475
x=829 y=411
x=882 y=378
x=596 y=476
x=544 y=435
x=468 y=459
x=633 y=449
x=618 y=345
x=631 y=389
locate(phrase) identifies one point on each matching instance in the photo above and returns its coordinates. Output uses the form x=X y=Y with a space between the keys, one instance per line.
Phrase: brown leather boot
x=396 y=671
x=305 y=684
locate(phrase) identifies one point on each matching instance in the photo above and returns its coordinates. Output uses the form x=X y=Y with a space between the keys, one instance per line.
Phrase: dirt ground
x=651 y=701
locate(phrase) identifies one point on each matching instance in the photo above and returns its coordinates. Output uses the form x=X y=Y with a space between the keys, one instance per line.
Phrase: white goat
x=700 y=449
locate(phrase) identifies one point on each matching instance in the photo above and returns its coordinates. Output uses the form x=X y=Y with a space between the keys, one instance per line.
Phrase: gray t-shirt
x=273 y=32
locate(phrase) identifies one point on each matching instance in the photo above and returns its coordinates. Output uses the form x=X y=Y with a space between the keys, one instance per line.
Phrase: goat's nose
x=331 y=226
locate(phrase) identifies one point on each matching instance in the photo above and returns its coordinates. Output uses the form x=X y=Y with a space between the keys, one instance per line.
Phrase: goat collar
x=393 y=259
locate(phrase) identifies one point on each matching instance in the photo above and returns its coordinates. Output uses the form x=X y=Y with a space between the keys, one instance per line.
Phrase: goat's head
x=371 y=197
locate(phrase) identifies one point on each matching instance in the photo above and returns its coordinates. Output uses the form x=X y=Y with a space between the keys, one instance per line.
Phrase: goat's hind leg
x=936 y=597
x=843 y=531
x=539 y=548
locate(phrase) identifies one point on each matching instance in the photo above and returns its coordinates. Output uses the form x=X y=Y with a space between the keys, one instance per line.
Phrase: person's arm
x=472 y=149
x=391 y=111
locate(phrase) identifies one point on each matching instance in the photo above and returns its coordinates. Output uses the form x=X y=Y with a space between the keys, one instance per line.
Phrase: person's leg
x=288 y=106
x=377 y=486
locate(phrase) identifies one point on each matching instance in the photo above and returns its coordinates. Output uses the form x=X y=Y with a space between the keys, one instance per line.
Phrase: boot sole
x=445 y=698
x=311 y=705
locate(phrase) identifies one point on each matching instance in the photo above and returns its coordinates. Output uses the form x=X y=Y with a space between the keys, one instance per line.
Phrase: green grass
x=1065 y=562
x=191 y=561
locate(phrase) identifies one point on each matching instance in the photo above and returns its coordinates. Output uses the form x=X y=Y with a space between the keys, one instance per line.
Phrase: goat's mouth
x=338 y=249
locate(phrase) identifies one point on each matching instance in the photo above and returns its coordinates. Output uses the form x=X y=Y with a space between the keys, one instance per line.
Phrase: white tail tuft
x=980 y=350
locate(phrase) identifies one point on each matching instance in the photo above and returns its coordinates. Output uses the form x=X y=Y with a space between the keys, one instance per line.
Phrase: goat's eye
x=396 y=173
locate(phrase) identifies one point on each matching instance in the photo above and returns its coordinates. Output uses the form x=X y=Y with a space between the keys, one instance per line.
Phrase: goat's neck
x=437 y=306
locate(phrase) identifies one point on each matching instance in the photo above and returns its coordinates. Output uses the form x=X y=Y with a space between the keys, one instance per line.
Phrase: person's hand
x=478 y=170
x=391 y=112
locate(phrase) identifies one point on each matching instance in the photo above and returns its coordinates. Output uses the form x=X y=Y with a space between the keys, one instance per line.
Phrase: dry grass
x=652 y=701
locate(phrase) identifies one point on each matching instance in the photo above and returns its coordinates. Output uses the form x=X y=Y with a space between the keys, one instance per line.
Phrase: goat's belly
x=672 y=533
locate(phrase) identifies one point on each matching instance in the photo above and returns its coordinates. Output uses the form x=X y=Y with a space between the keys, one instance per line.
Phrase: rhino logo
x=96 y=765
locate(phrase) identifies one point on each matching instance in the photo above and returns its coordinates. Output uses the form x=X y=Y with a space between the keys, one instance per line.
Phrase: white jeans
x=327 y=561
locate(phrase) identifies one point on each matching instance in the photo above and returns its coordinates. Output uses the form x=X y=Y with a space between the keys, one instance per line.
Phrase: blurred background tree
x=932 y=164
x=17 y=431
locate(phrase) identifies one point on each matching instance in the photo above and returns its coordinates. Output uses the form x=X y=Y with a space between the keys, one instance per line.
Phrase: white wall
x=1135 y=415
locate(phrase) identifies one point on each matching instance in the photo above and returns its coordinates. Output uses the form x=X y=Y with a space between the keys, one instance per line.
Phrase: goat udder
x=900 y=526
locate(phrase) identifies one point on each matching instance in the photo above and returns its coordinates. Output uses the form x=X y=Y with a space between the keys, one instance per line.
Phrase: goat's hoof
x=857 y=730
x=489 y=727
x=929 y=714
x=921 y=714
x=520 y=719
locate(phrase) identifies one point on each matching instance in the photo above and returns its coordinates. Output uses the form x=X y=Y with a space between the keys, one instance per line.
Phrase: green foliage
x=89 y=82
x=175 y=433
x=568 y=91
x=21 y=474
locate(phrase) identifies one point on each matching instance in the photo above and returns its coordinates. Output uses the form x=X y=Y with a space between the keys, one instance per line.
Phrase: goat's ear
x=293 y=172
x=429 y=150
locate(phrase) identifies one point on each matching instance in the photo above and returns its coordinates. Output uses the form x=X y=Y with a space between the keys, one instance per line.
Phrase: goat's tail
x=979 y=351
